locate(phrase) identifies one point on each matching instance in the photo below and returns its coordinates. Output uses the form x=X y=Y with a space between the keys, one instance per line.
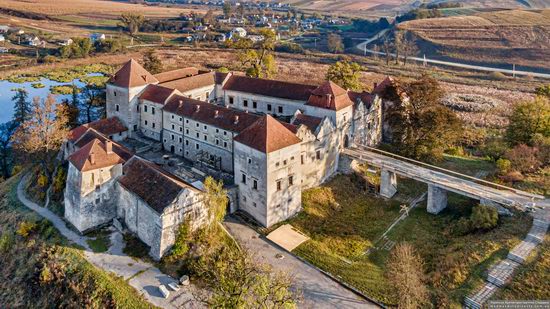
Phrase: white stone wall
x=367 y=124
x=289 y=107
x=126 y=101
x=151 y=119
x=206 y=94
x=90 y=197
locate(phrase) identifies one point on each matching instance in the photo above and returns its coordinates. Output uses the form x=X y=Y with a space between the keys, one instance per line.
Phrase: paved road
x=363 y=47
x=319 y=291
x=448 y=180
x=143 y=276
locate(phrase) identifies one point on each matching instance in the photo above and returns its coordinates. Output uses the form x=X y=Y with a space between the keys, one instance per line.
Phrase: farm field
x=501 y=37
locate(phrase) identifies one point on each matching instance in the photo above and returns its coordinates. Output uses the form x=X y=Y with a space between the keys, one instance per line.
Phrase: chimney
x=216 y=114
x=92 y=158
x=236 y=119
x=109 y=147
x=180 y=103
x=197 y=108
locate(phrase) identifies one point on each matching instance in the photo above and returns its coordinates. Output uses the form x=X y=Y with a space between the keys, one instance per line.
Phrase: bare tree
x=40 y=137
x=406 y=274
x=387 y=45
x=398 y=43
x=407 y=45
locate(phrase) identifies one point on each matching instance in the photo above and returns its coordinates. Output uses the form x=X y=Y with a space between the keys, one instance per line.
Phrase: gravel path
x=143 y=276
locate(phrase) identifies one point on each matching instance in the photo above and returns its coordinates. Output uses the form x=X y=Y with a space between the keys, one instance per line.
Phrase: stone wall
x=151 y=119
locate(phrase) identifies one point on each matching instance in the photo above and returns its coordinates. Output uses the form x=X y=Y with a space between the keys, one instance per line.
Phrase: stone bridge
x=439 y=180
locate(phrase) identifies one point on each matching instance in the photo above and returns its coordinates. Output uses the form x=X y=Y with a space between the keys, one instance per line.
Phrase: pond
x=6 y=93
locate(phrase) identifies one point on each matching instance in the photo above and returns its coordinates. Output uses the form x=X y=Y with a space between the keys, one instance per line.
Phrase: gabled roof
x=107 y=126
x=192 y=82
x=143 y=177
x=94 y=155
x=365 y=97
x=215 y=115
x=382 y=86
x=132 y=74
x=92 y=134
x=269 y=88
x=329 y=96
x=176 y=74
x=157 y=94
x=310 y=122
x=267 y=135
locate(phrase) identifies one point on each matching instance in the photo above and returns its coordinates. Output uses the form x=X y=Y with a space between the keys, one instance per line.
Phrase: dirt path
x=143 y=276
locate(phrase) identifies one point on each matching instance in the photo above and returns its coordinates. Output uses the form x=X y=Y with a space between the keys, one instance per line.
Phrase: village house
x=275 y=138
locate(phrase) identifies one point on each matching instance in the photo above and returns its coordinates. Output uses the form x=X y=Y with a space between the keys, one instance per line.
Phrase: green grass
x=62 y=89
x=467 y=165
x=64 y=75
x=53 y=272
x=343 y=222
x=101 y=241
x=532 y=280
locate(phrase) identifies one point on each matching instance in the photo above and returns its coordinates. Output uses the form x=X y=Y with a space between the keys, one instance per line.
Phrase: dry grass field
x=71 y=7
x=514 y=36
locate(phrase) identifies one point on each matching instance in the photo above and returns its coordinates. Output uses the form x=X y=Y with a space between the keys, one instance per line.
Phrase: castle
x=275 y=138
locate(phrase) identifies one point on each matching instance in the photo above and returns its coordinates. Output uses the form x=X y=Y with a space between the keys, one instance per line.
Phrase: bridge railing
x=450 y=172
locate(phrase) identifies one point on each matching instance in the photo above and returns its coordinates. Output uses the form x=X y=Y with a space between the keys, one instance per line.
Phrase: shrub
x=45 y=275
x=6 y=241
x=59 y=181
x=494 y=148
x=523 y=158
x=16 y=169
x=503 y=166
x=289 y=48
x=181 y=246
x=484 y=217
x=50 y=59
x=455 y=151
x=463 y=227
x=497 y=76
x=26 y=228
x=42 y=180
x=513 y=176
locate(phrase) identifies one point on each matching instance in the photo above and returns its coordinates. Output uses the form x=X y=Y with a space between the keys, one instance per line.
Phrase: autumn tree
x=421 y=127
x=40 y=137
x=387 y=46
x=405 y=45
x=235 y=280
x=543 y=91
x=346 y=74
x=22 y=106
x=405 y=272
x=151 y=62
x=528 y=119
x=131 y=22
x=227 y=9
x=257 y=58
x=216 y=199
x=334 y=43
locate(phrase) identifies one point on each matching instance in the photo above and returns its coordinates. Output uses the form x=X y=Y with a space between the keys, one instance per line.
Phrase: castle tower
x=122 y=93
x=90 y=192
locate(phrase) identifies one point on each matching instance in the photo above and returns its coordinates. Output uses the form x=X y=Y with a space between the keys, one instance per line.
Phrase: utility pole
x=425 y=63
x=514 y=70
x=365 y=50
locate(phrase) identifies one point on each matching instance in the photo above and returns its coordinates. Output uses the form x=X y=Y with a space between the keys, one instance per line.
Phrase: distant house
x=33 y=40
x=97 y=37
x=256 y=38
x=4 y=29
x=18 y=31
x=238 y=32
x=65 y=42
x=3 y=50
x=201 y=28
x=220 y=37
x=2 y=39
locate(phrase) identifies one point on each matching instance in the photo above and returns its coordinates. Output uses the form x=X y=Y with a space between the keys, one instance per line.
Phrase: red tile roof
x=268 y=135
x=107 y=126
x=92 y=134
x=382 y=86
x=215 y=115
x=94 y=155
x=310 y=122
x=132 y=74
x=142 y=177
x=270 y=88
x=176 y=74
x=192 y=82
x=329 y=96
x=157 y=94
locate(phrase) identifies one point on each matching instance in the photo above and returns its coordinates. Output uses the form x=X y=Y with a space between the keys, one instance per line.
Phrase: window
x=186 y=120
x=114 y=93
x=245 y=103
x=284 y=162
x=278 y=185
x=172 y=127
x=243 y=178
x=217 y=130
x=318 y=154
x=145 y=122
x=173 y=137
x=97 y=200
x=197 y=134
x=197 y=125
x=181 y=129
x=153 y=125
x=290 y=180
x=197 y=146
x=206 y=138
x=230 y=100
x=180 y=140
x=186 y=131
x=249 y=161
x=254 y=204
x=217 y=141
x=269 y=107
x=97 y=187
x=152 y=110
x=277 y=164
x=186 y=142
x=280 y=109
x=254 y=104
x=244 y=198
x=137 y=108
x=225 y=144
x=145 y=108
x=117 y=108
x=207 y=95
x=180 y=118
x=172 y=117
x=224 y=132
x=302 y=159
x=255 y=184
x=205 y=128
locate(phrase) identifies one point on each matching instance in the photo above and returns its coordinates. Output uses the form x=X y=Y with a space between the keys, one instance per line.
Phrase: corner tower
x=122 y=93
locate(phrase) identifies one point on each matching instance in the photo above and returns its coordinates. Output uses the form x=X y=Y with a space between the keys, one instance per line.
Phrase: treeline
x=419 y=14
x=363 y=25
x=442 y=5
x=83 y=47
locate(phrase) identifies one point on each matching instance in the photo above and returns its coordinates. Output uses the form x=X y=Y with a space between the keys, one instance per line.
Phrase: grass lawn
x=343 y=223
x=101 y=241
x=532 y=280
x=468 y=165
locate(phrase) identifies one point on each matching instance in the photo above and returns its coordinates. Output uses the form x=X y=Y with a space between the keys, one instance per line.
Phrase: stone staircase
x=501 y=274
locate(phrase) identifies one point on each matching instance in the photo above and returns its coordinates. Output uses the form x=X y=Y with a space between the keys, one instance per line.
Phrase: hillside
x=502 y=37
